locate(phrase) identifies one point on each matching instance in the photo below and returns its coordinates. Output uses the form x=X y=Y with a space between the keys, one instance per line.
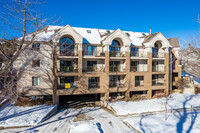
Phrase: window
x=114 y=49
x=139 y=81
x=144 y=34
x=134 y=51
x=93 y=82
x=91 y=50
x=36 y=46
x=66 y=47
x=66 y=40
x=108 y=31
x=35 y=63
x=35 y=81
x=128 y=34
x=88 y=31
x=115 y=43
x=134 y=66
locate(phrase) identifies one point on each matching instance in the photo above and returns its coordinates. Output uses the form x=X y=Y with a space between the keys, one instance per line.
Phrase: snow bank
x=176 y=122
x=23 y=116
x=88 y=127
x=175 y=101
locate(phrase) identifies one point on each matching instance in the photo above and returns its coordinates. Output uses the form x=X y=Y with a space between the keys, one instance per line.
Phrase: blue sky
x=174 y=18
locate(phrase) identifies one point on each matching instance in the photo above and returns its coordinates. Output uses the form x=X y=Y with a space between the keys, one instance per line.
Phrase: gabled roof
x=95 y=37
x=149 y=37
x=174 y=42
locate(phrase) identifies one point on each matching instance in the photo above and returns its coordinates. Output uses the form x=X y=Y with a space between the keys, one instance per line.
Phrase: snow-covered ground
x=22 y=116
x=175 y=101
x=96 y=120
x=176 y=122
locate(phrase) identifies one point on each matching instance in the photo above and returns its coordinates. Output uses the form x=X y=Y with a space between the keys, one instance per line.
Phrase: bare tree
x=191 y=55
x=21 y=24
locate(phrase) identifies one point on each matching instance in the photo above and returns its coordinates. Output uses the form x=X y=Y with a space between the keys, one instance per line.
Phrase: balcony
x=94 y=69
x=157 y=55
x=139 y=68
x=158 y=68
x=68 y=69
x=90 y=52
x=68 y=52
x=93 y=85
x=115 y=54
x=62 y=86
x=116 y=84
x=117 y=69
x=156 y=82
x=139 y=83
x=137 y=54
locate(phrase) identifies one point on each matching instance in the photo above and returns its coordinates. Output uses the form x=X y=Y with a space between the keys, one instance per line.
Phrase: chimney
x=150 y=31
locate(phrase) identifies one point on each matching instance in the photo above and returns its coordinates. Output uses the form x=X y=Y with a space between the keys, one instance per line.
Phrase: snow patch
x=175 y=101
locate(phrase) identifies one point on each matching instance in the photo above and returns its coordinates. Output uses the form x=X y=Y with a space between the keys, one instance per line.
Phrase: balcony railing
x=116 y=84
x=93 y=68
x=139 y=83
x=158 y=82
x=137 y=54
x=115 y=54
x=90 y=52
x=158 y=68
x=117 y=69
x=68 y=52
x=68 y=69
x=140 y=68
x=93 y=85
x=66 y=86
x=158 y=55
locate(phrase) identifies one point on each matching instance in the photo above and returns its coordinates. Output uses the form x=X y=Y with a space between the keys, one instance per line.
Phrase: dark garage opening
x=78 y=100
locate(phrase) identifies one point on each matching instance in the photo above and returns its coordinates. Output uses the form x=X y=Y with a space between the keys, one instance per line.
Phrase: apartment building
x=104 y=63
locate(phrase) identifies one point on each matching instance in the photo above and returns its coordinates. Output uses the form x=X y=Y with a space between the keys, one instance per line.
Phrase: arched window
x=66 y=40
x=66 y=47
x=114 y=48
x=115 y=43
x=155 y=50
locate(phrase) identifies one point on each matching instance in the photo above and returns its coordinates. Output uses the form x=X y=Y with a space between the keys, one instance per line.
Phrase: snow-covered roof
x=90 y=35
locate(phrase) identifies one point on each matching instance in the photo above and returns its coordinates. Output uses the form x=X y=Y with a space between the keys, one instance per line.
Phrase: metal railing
x=117 y=69
x=158 y=68
x=139 y=83
x=158 y=82
x=139 y=68
x=116 y=84
x=134 y=54
x=68 y=52
x=115 y=54
x=90 y=52
x=93 y=85
x=68 y=69
x=66 y=86
x=137 y=54
x=158 y=55
x=93 y=68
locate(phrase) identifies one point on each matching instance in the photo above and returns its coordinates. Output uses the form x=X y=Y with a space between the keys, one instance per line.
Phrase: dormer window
x=36 y=46
x=89 y=31
x=108 y=31
x=144 y=34
x=128 y=34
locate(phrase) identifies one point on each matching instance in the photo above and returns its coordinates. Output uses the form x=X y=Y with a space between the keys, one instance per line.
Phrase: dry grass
x=26 y=101
x=82 y=117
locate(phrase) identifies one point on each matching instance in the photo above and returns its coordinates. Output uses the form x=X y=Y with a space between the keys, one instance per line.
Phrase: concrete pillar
x=107 y=62
x=148 y=77
x=128 y=76
x=167 y=73
x=80 y=58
